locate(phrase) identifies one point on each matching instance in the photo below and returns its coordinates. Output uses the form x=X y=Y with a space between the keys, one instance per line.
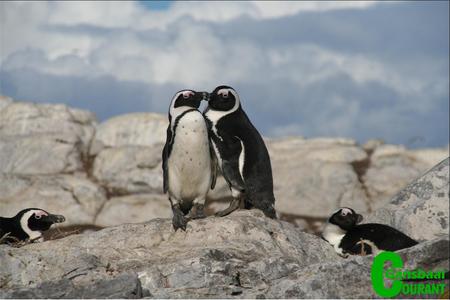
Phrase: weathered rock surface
x=141 y=129
x=215 y=256
x=130 y=169
x=134 y=209
x=350 y=278
x=42 y=138
x=393 y=167
x=121 y=159
x=315 y=177
x=421 y=210
x=244 y=255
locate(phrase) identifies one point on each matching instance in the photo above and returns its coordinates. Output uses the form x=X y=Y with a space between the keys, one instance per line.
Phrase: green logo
x=398 y=277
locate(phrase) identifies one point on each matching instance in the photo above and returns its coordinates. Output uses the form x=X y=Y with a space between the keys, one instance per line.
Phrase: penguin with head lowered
x=28 y=224
x=241 y=153
x=188 y=169
x=347 y=237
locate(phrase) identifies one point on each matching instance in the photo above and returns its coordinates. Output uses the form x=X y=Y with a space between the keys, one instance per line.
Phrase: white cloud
x=195 y=45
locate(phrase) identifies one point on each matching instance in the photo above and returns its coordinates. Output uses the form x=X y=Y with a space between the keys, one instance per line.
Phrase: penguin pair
x=348 y=237
x=28 y=224
x=222 y=137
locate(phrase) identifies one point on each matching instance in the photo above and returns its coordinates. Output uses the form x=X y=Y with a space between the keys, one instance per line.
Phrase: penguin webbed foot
x=197 y=212
x=178 y=219
x=235 y=203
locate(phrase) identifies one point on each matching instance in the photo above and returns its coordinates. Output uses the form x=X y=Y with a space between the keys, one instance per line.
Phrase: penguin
x=241 y=153
x=27 y=225
x=188 y=166
x=347 y=237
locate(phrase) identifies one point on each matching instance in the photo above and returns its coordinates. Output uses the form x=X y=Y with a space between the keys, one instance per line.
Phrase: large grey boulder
x=421 y=209
x=75 y=197
x=392 y=167
x=351 y=278
x=133 y=209
x=214 y=257
x=315 y=177
x=41 y=139
x=130 y=169
x=243 y=255
x=140 y=129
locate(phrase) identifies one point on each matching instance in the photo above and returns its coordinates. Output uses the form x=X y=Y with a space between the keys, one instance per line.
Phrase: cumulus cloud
x=346 y=68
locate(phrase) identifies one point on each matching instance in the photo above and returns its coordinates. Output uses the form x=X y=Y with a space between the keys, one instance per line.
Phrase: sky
x=359 y=70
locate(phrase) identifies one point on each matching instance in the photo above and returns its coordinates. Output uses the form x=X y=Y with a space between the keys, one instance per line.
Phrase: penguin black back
x=349 y=237
x=240 y=149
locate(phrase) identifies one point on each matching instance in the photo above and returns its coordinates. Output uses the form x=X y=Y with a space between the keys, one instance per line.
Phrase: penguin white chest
x=190 y=162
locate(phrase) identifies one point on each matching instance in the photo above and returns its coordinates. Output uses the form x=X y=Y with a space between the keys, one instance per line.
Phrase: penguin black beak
x=205 y=96
x=54 y=219
x=359 y=219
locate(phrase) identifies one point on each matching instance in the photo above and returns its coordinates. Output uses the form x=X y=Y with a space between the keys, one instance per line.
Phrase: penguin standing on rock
x=188 y=169
x=347 y=237
x=241 y=153
x=28 y=224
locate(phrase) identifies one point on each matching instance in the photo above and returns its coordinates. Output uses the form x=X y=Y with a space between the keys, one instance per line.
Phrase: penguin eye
x=343 y=213
x=225 y=95
x=187 y=94
x=37 y=217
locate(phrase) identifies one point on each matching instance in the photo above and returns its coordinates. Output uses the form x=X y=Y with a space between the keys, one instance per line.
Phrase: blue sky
x=351 y=69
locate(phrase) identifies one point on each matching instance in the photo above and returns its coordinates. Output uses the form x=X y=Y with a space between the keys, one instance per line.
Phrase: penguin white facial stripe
x=172 y=109
x=346 y=211
x=24 y=224
x=214 y=115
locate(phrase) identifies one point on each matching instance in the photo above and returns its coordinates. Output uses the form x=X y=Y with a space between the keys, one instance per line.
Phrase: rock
x=130 y=169
x=40 y=155
x=315 y=177
x=5 y=101
x=421 y=209
x=350 y=278
x=393 y=167
x=214 y=257
x=125 y=286
x=244 y=255
x=56 y=120
x=134 y=209
x=75 y=197
x=141 y=129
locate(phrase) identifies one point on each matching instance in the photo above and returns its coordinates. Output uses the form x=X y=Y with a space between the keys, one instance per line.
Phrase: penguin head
x=224 y=98
x=187 y=99
x=345 y=218
x=35 y=220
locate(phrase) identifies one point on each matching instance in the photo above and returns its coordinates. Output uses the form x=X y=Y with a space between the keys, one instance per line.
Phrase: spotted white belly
x=190 y=162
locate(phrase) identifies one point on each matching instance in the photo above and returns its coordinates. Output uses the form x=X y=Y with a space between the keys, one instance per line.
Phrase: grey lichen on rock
x=421 y=209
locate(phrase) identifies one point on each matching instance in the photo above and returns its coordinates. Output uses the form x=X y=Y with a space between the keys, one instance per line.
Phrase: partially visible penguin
x=28 y=224
x=241 y=153
x=187 y=163
x=347 y=237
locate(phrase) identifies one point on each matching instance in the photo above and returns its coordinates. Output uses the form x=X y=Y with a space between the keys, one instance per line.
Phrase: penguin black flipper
x=165 y=157
x=213 y=166
x=230 y=166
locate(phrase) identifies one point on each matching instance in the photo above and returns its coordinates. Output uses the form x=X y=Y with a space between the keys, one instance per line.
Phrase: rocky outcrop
x=244 y=255
x=108 y=175
x=118 y=164
x=421 y=210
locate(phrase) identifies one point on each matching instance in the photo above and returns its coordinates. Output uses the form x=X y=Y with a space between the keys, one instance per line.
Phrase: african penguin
x=28 y=224
x=188 y=169
x=241 y=153
x=347 y=237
